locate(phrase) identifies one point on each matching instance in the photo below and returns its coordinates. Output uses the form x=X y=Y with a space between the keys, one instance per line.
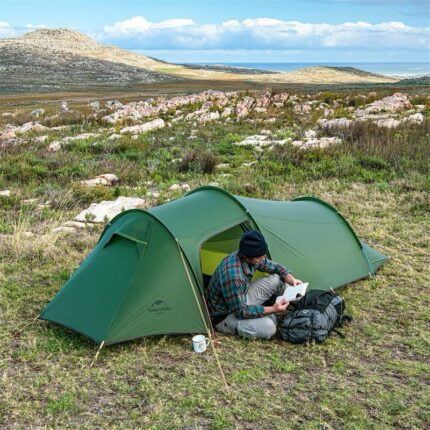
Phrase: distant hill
x=62 y=59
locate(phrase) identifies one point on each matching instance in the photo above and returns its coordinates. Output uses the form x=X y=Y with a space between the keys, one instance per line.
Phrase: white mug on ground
x=200 y=343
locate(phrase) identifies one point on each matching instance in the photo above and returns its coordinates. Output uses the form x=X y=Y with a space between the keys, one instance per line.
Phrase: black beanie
x=252 y=244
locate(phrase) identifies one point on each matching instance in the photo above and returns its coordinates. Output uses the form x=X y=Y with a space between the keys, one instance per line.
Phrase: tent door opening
x=215 y=249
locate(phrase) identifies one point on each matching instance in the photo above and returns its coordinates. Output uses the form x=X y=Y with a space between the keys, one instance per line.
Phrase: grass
x=375 y=378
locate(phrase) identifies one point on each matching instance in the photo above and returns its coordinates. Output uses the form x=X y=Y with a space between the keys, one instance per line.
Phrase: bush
x=198 y=161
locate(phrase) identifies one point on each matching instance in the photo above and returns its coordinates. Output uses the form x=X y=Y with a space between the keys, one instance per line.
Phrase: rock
x=396 y=102
x=40 y=139
x=243 y=107
x=37 y=112
x=222 y=166
x=280 y=98
x=54 y=146
x=78 y=225
x=114 y=137
x=335 y=123
x=107 y=209
x=113 y=104
x=108 y=180
x=259 y=140
x=310 y=133
x=29 y=201
x=209 y=116
x=416 y=118
x=8 y=137
x=214 y=184
x=64 y=229
x=64 y=107
x=153 y=194
x=81 y=136
x=185 y=187
x=322 y=142
x=175 y=187
x=142 y=128
x=249 y=164
x=31 y=126
x=226 y=112
x=264 y=100
x=5 y=193
x=388 y=123
x=266 y=132
x=109 y=119
x=95 y=106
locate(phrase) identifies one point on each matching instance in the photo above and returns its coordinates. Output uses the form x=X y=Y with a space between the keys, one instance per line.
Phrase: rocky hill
x=62 y=59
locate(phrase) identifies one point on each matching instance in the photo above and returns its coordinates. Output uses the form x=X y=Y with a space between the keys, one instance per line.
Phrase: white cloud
x=35 y=27
x=6 y=30
x=264 y=33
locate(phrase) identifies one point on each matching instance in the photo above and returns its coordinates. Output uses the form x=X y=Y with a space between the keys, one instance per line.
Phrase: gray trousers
x=259 y=291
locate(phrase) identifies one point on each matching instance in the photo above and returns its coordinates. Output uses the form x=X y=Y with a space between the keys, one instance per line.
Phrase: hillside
x=62 y=59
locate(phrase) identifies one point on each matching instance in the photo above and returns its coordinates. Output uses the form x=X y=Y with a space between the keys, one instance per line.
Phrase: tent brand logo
x=159 y=307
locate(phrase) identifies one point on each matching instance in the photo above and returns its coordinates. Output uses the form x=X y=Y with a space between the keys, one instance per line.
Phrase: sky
x=238 y=30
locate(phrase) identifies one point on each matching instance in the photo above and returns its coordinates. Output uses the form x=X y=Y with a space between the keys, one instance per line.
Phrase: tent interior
x=218 y=247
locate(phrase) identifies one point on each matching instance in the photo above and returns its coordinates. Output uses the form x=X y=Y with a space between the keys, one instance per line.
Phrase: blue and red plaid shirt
x=229 y=284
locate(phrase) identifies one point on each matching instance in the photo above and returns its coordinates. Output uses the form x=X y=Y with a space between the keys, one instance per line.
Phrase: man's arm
x=234 y=293
x=269 y=266
x=235 y=297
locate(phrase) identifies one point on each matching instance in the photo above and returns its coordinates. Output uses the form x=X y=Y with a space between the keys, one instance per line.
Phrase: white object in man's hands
x=293 y=293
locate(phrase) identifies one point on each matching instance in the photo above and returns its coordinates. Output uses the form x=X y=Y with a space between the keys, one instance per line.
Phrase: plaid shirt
x=229 y=284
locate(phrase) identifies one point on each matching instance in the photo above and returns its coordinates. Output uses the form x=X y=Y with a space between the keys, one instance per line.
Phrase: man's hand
x=277 y=307
x=289 y=279
x=281 y=306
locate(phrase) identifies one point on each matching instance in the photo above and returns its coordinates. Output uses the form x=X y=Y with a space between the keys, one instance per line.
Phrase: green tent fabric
x=145 y=276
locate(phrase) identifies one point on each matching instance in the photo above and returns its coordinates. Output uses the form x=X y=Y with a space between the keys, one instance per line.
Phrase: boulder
x=107 y=180
x=416 y=118
x=81 y=136
x=64 y=107
x=335 y=123
x=310 y=133
x=37 y=112
x=31 y=126
x=113 y=137
x=143 y=128
x=64 y=229
x=40 y=139
x=388 y=123
x=209 y=116
x=113 y=104
x=54 y=146
x=95 y=106
x=396 y=102
x=107 y=209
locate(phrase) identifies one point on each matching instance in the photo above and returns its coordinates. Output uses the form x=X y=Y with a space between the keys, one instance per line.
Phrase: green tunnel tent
x=146 y=274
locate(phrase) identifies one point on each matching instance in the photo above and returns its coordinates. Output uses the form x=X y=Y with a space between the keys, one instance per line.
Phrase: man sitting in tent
x=235 y=303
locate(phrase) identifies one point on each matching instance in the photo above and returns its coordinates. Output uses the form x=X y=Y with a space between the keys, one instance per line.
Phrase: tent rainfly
x=146 y=274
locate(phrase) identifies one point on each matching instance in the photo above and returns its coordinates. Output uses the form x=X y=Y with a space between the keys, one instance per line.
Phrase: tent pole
x=218 y=362
x=209 y=330
x=97 y=353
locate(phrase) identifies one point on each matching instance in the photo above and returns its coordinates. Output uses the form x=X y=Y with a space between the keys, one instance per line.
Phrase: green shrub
x=198 y=161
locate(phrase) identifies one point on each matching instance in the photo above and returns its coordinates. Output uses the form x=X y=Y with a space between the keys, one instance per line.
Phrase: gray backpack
x=315 y=316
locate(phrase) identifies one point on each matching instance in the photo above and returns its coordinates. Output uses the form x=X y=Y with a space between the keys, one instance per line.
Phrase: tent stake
x=218 y=362
x=97 y=353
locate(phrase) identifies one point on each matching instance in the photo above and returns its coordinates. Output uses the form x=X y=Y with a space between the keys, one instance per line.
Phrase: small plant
x=198 y=161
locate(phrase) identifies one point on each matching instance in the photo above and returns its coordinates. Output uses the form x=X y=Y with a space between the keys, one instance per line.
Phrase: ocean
x=390 y=69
